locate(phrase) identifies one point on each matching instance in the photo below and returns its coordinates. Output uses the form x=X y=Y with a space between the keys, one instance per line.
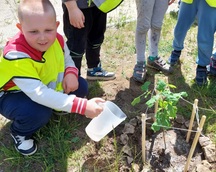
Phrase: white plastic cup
x=110 y=117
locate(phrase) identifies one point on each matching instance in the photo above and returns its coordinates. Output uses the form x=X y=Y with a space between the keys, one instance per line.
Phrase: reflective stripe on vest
x=107 y=5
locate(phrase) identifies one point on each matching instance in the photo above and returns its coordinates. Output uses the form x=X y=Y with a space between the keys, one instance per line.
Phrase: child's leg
x=154 y=60
x=27 y=116
x=206 y=30
x=96 y=21
x=144 y=16
x=186 y=17
x=76 y=39
x=205 y=39
x=212 y=66
x=82 y=91
x=160 y=8
x=95 y=38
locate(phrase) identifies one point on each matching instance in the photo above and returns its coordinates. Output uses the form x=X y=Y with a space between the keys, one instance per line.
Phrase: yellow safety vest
x=107 y=5
x=187 y=1
x=211 y=3
x=50 y=70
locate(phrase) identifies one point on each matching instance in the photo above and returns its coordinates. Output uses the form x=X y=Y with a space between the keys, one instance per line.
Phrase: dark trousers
x=28 y=116
x=87 y=40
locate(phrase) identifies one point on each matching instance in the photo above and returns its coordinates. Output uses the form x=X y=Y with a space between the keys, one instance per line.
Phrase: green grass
x=63 y=145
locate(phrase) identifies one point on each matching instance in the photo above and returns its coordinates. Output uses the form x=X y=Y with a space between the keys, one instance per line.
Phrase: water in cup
x=110 y=117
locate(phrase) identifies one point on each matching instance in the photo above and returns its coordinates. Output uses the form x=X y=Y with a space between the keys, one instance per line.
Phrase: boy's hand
x=70 y=83
x=93 y=108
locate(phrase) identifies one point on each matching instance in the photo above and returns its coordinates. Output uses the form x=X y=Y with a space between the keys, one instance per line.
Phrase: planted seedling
x=166 y=100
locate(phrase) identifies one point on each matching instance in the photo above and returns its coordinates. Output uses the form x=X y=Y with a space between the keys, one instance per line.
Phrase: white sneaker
x=24 y=145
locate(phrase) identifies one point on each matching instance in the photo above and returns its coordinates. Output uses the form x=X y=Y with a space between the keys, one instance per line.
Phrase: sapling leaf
x=167 y=101
x=151 y=101
x=171 y=86
x=135 y=101
x=145 y=86
x=166 y=123
x=161 y=85
x=172 y=98
x=171 y=110
x=184 y=94
x=155 y=127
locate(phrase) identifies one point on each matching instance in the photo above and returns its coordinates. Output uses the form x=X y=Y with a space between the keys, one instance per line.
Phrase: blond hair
x=34 y=7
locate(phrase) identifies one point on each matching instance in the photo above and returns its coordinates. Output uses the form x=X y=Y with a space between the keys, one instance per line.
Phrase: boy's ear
x=57 y=24
x=18 y=25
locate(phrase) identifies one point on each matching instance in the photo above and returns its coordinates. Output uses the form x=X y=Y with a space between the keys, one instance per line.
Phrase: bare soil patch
x=160 y=158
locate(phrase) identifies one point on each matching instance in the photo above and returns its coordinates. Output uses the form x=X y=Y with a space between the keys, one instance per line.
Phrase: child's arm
x=40 y=93
x=92 y=108
x=70 y=82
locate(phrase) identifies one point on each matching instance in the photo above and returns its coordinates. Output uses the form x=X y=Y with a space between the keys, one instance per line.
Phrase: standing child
x=37 y=74
x=84 y=27
x=150 y=14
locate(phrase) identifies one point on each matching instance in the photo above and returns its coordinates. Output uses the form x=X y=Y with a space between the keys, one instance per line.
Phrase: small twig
x=164 y=138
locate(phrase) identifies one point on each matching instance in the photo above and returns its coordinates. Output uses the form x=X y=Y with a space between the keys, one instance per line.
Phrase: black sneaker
x=201 y=76
x=160 y=64
x=24 y=145
x=97 y=73
x=174 y=57
x=211 y=69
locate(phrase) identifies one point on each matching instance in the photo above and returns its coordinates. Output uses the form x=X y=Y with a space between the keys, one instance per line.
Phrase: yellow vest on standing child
x=211 y=3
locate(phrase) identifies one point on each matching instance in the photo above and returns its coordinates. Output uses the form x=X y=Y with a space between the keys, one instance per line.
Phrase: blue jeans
x=28 y=116
x=186 y=17
x=206 y=29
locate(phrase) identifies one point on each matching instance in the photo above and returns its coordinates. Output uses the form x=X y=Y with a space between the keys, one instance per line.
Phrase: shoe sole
x=175 y=64
x=93 y=78
x=153 y=67
x=28 y=153
x=142 y=81
x=139 y=81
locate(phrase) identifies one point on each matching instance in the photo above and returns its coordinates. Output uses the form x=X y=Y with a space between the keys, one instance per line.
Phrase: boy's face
x=39 y=30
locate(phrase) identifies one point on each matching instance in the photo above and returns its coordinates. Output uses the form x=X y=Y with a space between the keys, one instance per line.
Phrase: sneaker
x=201 y=76
x=212 y=67
x=139 y=73
x=159 y=64
x=97 y=73
x=174 y=57
x=24 y=145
